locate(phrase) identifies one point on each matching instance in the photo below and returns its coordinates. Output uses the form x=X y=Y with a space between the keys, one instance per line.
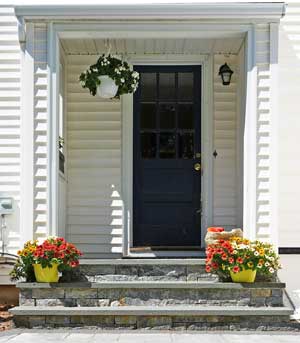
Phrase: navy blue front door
x=167 y=137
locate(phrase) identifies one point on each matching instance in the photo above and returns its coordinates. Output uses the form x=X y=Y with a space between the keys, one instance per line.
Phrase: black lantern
x=225 y=73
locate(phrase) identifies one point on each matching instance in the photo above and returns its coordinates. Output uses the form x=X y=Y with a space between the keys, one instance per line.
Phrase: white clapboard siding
x=40 y=130
x=289 y=127
x=225 y=188
x=10 y=111
x=94 y=206
x=263 y=230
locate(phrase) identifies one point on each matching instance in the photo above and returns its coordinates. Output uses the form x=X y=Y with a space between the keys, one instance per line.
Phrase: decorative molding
x=53 y=120
x=21 y=31
x=237 y=11
x=274 y=166
x=250 y=139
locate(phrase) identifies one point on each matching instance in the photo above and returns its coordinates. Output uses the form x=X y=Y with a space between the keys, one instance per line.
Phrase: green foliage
x=125 y=78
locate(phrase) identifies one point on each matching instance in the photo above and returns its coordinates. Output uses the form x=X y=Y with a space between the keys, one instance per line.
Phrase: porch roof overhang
x=237 y=11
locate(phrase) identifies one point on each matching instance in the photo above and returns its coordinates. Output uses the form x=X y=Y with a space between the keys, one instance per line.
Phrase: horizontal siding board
x=10 y=112
x=225 y=140
x=94 y=205
x=289 y=123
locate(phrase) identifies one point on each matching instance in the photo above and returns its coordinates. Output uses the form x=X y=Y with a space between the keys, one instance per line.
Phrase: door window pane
x=185 y=86
x=148 y=116
x=167 y=86
x=185 y=116
x=186 y=145
x=148 y=86
x=148 y=144
x=167 y=145
x=167 y=116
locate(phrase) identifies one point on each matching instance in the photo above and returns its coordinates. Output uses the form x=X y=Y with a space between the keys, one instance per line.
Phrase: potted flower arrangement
x=42 y=262
x=110 y=77
x=241 y=259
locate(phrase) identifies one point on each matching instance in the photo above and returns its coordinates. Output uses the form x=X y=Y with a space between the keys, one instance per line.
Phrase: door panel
x=166 y=194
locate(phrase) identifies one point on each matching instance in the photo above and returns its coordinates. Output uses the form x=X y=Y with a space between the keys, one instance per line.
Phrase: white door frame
x=152 y=30
x=206 y=63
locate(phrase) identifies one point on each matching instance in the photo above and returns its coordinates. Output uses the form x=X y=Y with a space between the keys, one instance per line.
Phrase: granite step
x=151 y=293
x=141 y=270
x=155 y=317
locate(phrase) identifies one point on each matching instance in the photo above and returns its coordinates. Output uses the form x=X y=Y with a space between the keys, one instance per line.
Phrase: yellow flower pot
x=243 y=276
x=46 y=274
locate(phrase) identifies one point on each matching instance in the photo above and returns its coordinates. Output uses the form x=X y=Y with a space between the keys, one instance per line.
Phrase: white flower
x=271 y=270
x=234 y=252
x=256 y=253
x=135 y=75
x=267 y=264
x=259 y=265
x=122 y=80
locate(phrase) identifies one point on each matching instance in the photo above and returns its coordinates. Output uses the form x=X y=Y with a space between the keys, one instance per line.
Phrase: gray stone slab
x=179 y=310
x=148 y=261
x=276 y=287
x=48 y=293
x=142 y=336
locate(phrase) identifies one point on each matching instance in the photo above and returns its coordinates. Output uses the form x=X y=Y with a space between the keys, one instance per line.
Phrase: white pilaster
x=27 y=136
x=274 y=39
x=250 y=139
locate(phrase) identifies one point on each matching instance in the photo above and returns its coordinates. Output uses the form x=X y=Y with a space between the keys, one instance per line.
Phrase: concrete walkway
x=92 y=336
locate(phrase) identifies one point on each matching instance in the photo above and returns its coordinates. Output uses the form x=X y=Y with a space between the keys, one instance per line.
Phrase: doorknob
x=197 y=166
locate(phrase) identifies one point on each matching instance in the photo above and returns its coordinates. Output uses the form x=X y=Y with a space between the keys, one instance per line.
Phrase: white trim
x=151 y=29
x=274 y=40
x=240 y=118
x=27 y=137
x=238 y=11
x=250 y=144
x=250 y=139
x=207 y=144
x=127 y=168
x=206 y=148
x=52 y=131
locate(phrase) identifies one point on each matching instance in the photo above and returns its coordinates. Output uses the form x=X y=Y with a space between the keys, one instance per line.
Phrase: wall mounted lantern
x=226 y=74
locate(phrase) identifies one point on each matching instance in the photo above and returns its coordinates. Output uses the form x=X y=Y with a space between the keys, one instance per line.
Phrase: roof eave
x=239 y=11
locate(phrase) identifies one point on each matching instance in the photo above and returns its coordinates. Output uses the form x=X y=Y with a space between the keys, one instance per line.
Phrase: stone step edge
x=154 y=285
x=179 y=310
x=144 y=262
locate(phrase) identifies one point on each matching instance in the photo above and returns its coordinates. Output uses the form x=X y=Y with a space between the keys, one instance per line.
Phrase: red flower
x=231 y=260
x=208 y=268
x=224 y=257
x=236 y=269
x=215 y=265
x=239 y=260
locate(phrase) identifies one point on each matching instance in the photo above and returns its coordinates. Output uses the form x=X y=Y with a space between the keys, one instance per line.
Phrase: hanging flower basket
x=107 y=88
x=110 y=77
